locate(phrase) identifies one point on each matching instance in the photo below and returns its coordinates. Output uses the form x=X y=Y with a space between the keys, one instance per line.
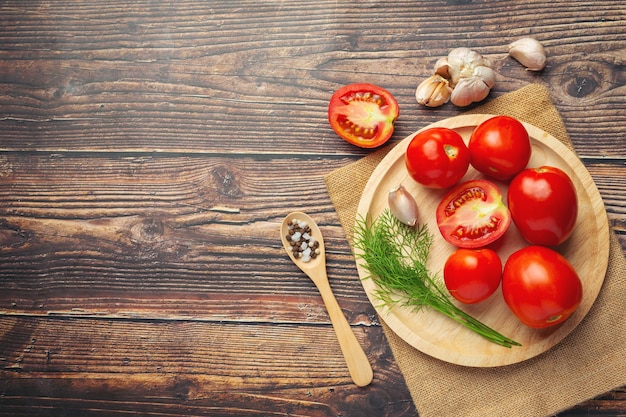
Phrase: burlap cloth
x=588 y=362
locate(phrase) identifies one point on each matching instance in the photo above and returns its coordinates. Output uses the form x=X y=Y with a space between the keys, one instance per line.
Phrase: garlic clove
x=403 y=205
x=486 y=74
x=529 y=52
x=434 y=91
x=442 y=68
x=469 y=90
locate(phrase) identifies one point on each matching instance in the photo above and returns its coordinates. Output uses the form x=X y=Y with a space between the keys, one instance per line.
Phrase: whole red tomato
x=472 y=275
x=472 y=214
x=543 y=205
x=363 y=114
x=437 y=157
x=540 y=286
x=500 y=147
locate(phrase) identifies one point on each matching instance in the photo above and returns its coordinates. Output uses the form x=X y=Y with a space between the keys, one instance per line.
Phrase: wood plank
x=188 y=368
x=169 y=86
x=80 y=231
x=177 y=236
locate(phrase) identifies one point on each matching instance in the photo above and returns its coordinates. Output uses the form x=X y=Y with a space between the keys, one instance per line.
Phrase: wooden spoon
x=356 y=360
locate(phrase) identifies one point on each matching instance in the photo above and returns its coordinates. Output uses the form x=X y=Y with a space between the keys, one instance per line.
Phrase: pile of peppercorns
x=303 y=244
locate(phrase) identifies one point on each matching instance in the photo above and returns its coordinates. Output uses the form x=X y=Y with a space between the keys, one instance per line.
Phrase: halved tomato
x=363 y=114
x=473 y=215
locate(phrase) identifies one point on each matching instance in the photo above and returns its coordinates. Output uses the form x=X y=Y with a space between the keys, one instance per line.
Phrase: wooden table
x=150 y=149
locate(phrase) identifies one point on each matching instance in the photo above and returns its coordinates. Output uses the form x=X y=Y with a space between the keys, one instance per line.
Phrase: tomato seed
x=463 y=232
x=474 y=193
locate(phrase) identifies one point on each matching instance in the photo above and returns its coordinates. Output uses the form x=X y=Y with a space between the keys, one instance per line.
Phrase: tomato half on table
x=437 y=157
x=473 y=215
x=363 y=114
x=472 y=275
x=544 y=205
x=540 y=286
x=500 y=147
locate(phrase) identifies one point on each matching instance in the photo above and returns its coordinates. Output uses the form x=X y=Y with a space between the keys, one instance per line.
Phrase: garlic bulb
x=469 y=73
x=529 y=52
x=403 y=205
x=434 y=91
x=462 y=63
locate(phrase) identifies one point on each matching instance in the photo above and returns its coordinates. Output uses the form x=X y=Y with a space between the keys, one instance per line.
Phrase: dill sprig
x=395 y=256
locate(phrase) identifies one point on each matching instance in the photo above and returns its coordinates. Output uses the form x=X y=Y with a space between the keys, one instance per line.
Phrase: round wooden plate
x=436 y=335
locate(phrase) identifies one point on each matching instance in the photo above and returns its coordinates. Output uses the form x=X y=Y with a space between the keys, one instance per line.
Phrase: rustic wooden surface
x=149 y=150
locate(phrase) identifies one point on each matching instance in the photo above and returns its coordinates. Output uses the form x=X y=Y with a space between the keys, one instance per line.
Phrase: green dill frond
x=395 y=257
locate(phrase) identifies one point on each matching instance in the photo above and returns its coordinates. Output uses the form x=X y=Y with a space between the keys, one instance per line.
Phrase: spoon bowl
x=315 y=265
x=315 y=268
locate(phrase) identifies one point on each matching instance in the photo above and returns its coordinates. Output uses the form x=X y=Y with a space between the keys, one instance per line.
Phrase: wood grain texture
x=149 y=150
x=186 y=368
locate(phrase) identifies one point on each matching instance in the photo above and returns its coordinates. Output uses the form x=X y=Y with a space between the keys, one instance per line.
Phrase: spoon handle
x=356 y=360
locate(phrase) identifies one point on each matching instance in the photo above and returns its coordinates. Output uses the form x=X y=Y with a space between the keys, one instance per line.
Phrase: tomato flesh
x=544 y=205
x=437 y=157
x=473 y=215
x=540 y=286
x=363 y=114
x=472 y=275
x=500 y=147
